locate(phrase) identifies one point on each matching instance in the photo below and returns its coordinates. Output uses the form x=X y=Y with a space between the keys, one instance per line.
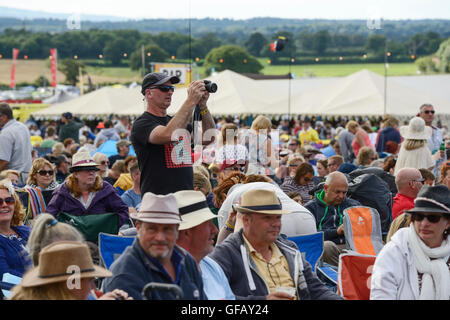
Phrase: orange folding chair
x=362 y=230
x=354 y=276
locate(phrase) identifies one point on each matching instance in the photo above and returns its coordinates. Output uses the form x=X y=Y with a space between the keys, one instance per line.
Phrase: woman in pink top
x=361 y=138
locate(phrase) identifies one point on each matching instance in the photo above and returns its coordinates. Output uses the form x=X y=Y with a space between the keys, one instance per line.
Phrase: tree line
x=119 y=47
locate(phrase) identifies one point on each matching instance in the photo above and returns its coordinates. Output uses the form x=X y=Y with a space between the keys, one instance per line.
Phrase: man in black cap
x=162 y=142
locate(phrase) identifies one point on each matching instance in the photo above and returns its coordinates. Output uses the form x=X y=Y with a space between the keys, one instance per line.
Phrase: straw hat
x=193 y=208
x=260 y=201
x=416 y=130
x=156 y=208
x=56 y=260
x=82 y=160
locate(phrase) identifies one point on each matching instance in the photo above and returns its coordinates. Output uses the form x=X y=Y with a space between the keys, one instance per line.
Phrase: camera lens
x=211 y=87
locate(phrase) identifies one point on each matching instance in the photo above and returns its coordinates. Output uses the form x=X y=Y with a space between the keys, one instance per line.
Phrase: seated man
x=409 y=181
x=197 y=235
x=154 y=255
x=327 y=207
x=262 y=264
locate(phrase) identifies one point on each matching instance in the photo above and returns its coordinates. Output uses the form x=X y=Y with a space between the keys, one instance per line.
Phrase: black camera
x=211 y=87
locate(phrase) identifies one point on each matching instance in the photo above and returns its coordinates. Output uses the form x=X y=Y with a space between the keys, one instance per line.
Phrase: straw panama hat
x=193 y=208
x=83 y=160
x=416 y=130
x=156 y=208
x=56 y=260
x=260 y=201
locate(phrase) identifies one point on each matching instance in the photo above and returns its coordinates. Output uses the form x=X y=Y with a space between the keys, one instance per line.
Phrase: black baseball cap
x=157 y=78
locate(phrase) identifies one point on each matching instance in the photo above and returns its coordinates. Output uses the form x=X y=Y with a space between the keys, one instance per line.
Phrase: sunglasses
x=433 y=218
x=164 y=88
x=422 y=181
x=429 y=111
x=307 y=179
x=7 y=200
x=104 y=162
x=44 y=172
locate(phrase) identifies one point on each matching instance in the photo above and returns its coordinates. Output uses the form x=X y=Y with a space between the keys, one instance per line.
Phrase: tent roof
x=361 y=93
x=107 y=100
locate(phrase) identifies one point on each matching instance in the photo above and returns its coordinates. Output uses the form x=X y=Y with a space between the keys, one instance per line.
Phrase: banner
x=181 y=70
x=15 y=53
x=53 y=66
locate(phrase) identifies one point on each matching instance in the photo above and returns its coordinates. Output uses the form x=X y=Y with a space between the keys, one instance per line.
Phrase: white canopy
x=105 y=101
x=361 y=94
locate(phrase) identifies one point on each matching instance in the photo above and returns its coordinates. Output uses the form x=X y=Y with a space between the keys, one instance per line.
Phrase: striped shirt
x=290 y=185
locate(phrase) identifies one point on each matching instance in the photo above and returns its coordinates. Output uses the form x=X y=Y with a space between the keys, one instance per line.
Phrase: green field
x=341 y=70
x=30 y=70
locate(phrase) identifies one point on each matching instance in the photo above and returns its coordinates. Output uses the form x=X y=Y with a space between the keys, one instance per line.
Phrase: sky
x=244 y=9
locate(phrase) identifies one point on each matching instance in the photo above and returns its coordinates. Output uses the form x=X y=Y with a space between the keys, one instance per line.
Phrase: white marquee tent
x=361 y=94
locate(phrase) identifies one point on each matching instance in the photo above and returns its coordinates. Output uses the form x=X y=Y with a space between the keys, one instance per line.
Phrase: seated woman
x=85 y=193
x=49 y=280
x=302 y=182
x=39 y=189
x=12 y=175
x=14 y=235
x=420 y=253
x=42 y=175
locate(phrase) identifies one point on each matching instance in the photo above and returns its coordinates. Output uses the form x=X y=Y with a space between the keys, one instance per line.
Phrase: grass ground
x=30 y=70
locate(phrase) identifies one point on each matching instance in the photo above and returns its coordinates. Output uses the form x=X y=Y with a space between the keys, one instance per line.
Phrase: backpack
x=371 y=191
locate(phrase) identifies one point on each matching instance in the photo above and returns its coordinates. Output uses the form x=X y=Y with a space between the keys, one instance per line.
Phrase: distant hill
x=399 y=30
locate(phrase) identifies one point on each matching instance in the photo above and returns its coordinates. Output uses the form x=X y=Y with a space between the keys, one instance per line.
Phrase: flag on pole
x=53 y=65
x=278 y=44
x=15 y=53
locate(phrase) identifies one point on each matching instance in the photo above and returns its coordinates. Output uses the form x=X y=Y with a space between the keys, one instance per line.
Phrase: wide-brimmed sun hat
x=62 y=260
x=193 y=208
x=416 y=130
x=82 y=160
x=156 y=208
x=260 y=201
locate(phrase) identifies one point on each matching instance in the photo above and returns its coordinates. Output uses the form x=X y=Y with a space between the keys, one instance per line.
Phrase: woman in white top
x=415 y=264
x=414 y=151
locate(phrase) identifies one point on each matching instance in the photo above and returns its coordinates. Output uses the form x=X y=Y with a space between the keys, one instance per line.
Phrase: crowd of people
x=216 y=220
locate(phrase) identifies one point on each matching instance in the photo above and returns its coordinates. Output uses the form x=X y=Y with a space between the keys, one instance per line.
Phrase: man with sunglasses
x=162 y=142
x=427 y=113
x=409 y=181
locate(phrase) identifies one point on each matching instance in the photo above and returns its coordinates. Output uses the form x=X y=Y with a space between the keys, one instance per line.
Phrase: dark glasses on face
x=429 y=111
x=433 y=218
x=164 y=88
x=7 y=200
x=104 y=162
x=44 y=172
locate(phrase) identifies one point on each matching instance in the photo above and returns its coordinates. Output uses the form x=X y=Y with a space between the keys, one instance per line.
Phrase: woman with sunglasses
x=42 y=175
x=103 y=164
x=415 y=264
x=14 y=258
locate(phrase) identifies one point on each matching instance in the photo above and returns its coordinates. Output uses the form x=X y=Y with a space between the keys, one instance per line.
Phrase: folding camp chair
x=111 y=246
x=354 y=275
x=8 y=282
x=312 y=246
x=362 y=230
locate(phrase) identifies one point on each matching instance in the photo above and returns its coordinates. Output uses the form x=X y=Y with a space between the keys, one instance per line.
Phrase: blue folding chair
x=312 y=246
x=111 y=246
x=8 y=282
